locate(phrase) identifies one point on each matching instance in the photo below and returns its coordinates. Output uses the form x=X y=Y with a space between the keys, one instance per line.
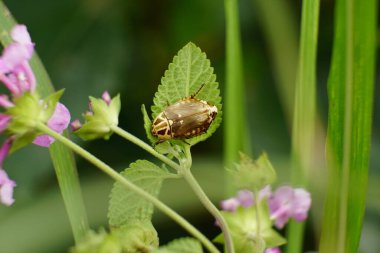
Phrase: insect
x=186 y=118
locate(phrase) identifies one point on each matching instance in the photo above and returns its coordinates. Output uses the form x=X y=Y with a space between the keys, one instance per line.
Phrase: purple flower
x=6 y=184
x=273 y=250
x=288 y=203
x=58 y=122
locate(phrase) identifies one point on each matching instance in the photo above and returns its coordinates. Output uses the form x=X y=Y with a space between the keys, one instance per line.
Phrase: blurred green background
x=124 y=47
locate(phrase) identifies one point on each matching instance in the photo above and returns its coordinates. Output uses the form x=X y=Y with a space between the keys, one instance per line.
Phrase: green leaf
x=139 y=236
x=236 y=136
x=303 y=132
x=51 y=102
x=182 y=245
x=133 y=238
x=243 y=227
x=126 y=206
x=148 y=125
x=97 y=242
x=189 y=70
x=350 y=90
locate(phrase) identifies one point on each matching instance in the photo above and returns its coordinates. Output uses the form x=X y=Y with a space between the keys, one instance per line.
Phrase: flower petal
x=273 y=250
x=6 y=189
x=4 y=120
x=20 y=35
x=245 y=198
x=58 y=122
x=4 y=150
x=230 y=204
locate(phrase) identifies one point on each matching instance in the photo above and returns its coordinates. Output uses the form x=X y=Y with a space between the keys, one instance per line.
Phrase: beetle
x=186 y=118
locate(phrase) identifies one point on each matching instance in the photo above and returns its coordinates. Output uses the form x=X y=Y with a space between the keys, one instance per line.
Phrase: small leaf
x=133 y=238
x=148 y=126
x=126 y=206
x=99 y=242
x=187 y=73
x=51 y=102
x=137 y=236
x=182 y=245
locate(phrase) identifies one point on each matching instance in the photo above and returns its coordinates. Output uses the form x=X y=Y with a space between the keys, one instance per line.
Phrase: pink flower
x=273 y=250
x=15 y=71
x=59 y=121
x=288 y=203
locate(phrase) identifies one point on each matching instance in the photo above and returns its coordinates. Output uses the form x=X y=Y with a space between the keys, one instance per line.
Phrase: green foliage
x=189 y=70
x=126 y=206
x=235 y=126
x=136 y=237
x=243 y=227
x=253 y=175
x=350 y=90
x=49 y=104
x=103 y=117
x=181 y=245
x=27 y=113
x=100 y=242
x=303 y=132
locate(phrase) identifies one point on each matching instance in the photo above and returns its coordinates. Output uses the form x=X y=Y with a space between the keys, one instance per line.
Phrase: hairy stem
x=193 y=183
x=144 y=146
x=116 y=176
x=259 y=240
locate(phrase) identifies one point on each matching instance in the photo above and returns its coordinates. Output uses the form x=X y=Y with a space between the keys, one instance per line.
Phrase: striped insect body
x=184 y=119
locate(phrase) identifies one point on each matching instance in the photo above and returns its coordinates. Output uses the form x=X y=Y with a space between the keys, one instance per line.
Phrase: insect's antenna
x=196 y=93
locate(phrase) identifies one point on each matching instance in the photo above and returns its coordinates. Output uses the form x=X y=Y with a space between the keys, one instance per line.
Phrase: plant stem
x=116 y=176
x=193 y=183
x=144 y=146
x=258 y=223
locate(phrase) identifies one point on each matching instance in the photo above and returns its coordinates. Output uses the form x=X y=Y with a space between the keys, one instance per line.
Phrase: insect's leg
x=196 y=93
x=186 y=142
x=157 y=142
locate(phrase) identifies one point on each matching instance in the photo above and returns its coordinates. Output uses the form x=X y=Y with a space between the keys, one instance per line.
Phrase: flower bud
x=101 y=119
x=253 y=175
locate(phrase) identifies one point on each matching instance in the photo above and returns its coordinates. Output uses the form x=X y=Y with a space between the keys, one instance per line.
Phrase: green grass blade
x=280 y=30
x=235 y=132
x=303 y=136
x=350 y=89
x=62 y=157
